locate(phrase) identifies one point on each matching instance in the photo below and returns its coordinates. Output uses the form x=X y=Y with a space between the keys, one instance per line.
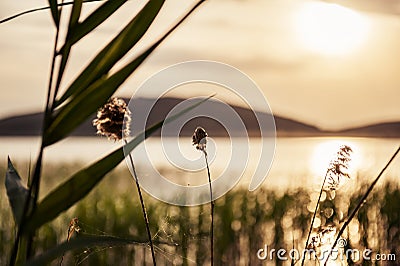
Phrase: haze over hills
x=30 y=124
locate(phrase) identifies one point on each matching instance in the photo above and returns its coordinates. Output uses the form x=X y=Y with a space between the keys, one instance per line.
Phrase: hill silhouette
x=30 y=124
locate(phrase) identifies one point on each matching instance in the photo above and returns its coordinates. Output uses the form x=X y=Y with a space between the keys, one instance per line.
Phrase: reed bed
x=244 y=222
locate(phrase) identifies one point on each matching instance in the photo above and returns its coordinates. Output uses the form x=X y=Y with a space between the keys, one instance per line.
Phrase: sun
x=330 y=29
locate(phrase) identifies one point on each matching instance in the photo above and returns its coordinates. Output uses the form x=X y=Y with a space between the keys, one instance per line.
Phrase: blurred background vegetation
x=244 y=222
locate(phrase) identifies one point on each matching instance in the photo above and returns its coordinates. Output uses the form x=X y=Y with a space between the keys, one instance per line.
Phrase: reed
x=337 y=169
x=68 y=106
x=199 y=140
x=113 y=121
x=360 y=203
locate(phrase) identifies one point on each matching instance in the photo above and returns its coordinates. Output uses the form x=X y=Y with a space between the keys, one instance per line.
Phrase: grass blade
x=16 y=192
x=73 y=21
x=54 y=12
x=95 y=19
x=115 y=50
x=86 y=103
x=74 y=189
x=81 y=183
x=75 y=13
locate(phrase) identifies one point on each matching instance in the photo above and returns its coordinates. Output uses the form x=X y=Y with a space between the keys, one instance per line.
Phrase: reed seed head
x=325 y=236
x=199 y=139
x=338 y=167
x=110 y=119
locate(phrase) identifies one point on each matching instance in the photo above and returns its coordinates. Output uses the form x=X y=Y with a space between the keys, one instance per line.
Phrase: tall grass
x=336 y=171
x=360 y=203
x=199 y=139
x=246 y=222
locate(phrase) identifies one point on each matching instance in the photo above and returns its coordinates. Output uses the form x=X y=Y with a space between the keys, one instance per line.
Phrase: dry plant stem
x=146 y=220
x=212 y=210
x=315 y=213
x=360 y=203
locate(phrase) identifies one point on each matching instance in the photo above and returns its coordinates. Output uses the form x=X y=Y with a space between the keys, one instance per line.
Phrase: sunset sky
x=316 y=61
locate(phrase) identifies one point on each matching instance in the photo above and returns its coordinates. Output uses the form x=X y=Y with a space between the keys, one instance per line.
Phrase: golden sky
x=316 y=61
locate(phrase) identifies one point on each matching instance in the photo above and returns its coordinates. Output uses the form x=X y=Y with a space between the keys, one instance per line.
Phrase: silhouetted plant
x=336 y=171
x=67 y=108
x=113 y=121
x=199 y=140
x=360 y=203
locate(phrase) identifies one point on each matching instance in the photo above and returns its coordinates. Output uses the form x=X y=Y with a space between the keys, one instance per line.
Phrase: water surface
x=297 y=161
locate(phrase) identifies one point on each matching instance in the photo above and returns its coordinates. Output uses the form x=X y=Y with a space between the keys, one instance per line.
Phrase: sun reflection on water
x=326 y=151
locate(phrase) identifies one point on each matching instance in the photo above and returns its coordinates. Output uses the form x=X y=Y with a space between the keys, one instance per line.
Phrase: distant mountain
x=387 y=130
x=30 y=124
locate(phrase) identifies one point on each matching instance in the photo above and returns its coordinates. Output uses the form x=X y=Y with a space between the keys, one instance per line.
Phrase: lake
x=297 y=161
x=246 y=216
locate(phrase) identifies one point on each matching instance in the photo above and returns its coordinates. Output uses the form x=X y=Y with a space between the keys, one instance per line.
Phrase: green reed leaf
x=54 y=11
x=75 y=13
x=95 y=19
x=114 y=50
x=86 y=103
x=73 y=21
x=96 y=95
x=81 y=183
x=16 y=192
x=74 y=189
